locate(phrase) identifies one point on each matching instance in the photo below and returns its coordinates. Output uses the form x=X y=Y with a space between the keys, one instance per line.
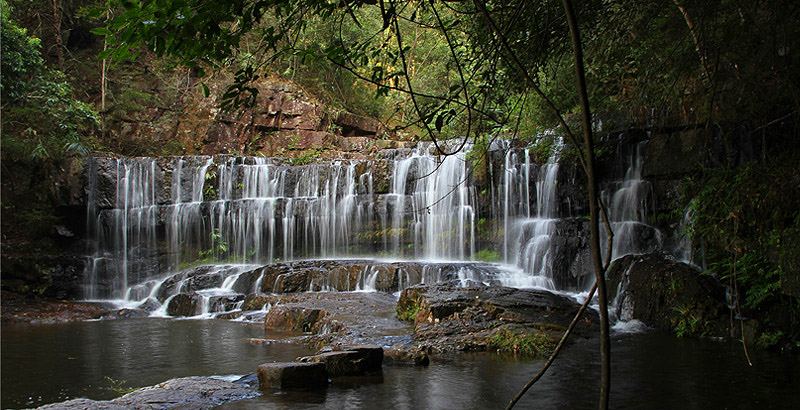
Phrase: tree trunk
x=57 y=29
x=594 y=214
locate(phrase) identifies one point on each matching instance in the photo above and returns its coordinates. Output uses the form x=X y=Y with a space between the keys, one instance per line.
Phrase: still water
x=47 y=363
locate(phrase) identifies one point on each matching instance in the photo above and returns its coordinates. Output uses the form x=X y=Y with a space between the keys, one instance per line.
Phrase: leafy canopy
x=41 y=118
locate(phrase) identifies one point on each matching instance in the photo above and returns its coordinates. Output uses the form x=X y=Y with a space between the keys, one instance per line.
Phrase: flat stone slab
x=448 y=318
x=184 y=393
x=287 y=375
x=370 y=355
x=338 y=364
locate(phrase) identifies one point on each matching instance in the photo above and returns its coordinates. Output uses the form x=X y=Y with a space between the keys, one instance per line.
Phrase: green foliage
x=219 y=246
x=209 y=187
x=746 y=217
x=306 y=157
x=769 y=339
x=409 y=314
x=487 y=255
x=118 y=386
x=525 y=344
x=688 y=323
x=41 y=118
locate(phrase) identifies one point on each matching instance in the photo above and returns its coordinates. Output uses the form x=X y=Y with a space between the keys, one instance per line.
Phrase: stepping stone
x=292 y=375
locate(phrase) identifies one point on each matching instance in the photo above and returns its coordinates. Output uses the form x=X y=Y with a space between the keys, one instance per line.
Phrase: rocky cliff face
x=180 y=198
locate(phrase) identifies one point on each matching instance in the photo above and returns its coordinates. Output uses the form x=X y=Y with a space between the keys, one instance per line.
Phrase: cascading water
x=527 y=242
x=628 y=203
x=151 y=218
x=125 y=231
x=433 y=214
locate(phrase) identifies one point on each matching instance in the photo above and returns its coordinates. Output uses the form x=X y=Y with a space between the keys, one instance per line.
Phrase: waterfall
x=147 y=217
x=125 y=231
x=629 y=201
x=528 y=240
x=151 y=218
x=433 y=215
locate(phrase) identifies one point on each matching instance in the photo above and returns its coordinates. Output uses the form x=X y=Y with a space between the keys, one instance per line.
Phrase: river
x=49 y=363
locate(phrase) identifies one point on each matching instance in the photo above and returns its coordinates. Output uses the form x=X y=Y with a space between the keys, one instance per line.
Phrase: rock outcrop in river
x=477 y=318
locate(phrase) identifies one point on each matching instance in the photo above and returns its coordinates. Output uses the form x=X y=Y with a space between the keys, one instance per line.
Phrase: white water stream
x=161 y=215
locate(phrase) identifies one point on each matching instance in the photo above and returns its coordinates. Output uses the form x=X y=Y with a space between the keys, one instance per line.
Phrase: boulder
x=449 y=318
x=292 y=375
x=292 y=318
x=149 y=305
x=256 y=302
x=668 y=295
x=403 y=353
x=185 y=304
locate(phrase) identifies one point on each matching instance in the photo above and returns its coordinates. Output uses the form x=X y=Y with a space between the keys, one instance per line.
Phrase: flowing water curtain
x=630 y=200
x=122 y=225
x=433 y=210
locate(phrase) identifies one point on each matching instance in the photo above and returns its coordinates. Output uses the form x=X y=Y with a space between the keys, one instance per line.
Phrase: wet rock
x=83 y=404
x=149 y=305
x=246 y=282
x=292 y=318
x=229 y=315
x=125 y=314
x=668 y=295
x=224 y=303
x=448 y=318
x=350 y=318
x=370 y=355
x=184 y=393
x=16 y=308
x=185 y=304
x=340 y=363
x=102 y=176
x=292 y=375
x=256 y=302
x=403 y=353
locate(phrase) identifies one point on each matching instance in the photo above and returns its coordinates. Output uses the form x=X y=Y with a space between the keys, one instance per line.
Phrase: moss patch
x=520 y=342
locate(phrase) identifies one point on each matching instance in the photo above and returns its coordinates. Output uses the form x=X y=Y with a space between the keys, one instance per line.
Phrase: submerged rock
x=448 y=318
x=16 y=308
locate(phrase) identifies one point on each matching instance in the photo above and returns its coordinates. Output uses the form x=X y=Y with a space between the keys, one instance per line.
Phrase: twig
x=557 y=350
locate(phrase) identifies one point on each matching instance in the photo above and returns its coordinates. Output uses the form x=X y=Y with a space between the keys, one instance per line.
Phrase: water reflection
x=650 y=371
x=48 y=363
